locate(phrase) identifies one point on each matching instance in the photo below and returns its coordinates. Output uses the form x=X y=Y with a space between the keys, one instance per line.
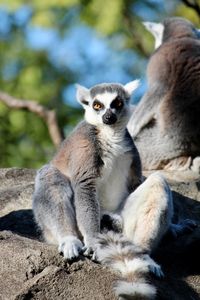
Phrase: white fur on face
x=106 y=98
x=157 y=30
x=94 y=117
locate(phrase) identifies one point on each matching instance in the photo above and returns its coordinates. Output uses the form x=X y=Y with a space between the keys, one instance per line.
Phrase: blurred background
x=48 y=46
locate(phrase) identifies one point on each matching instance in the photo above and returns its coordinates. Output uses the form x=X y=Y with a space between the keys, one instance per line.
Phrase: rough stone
x=31 y=269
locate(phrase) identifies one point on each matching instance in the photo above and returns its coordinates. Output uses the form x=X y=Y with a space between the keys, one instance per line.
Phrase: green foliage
x=106 y=18
x=41 y=5
x=189 y=13
x=25 y=140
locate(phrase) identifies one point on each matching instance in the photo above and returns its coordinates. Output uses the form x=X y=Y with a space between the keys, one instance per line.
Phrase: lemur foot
x=89 y=252
x=185 y=226
x=70 y=246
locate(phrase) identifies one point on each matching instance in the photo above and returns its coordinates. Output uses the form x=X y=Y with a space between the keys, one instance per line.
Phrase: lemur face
x=106 y=104
x=107 y=107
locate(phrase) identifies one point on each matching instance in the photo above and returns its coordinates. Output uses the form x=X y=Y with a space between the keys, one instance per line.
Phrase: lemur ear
x=156 y=30
x=131 y=86
x=82 y=95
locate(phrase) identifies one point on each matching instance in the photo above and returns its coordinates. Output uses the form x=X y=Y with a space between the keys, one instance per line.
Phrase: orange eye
x=97 y=106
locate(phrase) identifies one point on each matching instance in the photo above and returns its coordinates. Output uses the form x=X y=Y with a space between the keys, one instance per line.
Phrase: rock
x=31 y=269
x=34 y=270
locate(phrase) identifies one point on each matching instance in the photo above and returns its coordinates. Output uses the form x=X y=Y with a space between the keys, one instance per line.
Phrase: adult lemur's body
x=165 y=125
x=94 y=172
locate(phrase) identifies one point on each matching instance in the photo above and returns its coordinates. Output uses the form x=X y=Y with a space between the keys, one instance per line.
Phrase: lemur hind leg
x=148 y=212
x=54 y=211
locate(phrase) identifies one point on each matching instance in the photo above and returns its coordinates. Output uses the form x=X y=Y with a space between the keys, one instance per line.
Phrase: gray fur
x=177 y=27
x=165 y=124
x=97 y=171
x=55 y=196
x=59 y=192
x=82 y=181
x=110 y=88
x=131 y=265
x=96 y=168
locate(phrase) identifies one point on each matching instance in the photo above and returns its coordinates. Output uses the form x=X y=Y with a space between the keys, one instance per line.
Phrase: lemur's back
x=165 y=124
x=179 y=73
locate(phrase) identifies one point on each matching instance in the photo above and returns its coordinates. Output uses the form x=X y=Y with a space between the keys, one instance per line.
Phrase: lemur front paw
x=70 y=247
x=89 y=248
x=89 y=252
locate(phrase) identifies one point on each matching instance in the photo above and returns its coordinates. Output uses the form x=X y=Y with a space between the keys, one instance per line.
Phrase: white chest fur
x=112 y=186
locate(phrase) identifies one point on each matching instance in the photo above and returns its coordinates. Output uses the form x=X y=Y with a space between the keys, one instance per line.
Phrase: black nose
x=109 y=118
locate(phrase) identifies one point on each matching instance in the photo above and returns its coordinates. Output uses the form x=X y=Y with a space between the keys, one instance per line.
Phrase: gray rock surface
x=31 y=269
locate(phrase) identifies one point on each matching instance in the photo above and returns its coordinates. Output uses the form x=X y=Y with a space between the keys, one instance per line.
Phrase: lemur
x=97 y=172
x=165 y=124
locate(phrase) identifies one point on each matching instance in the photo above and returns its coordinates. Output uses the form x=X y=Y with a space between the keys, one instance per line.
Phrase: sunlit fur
x=93 y=173
x=131 y=265
x=105 y=94
x=153 y=216
x=165 y=124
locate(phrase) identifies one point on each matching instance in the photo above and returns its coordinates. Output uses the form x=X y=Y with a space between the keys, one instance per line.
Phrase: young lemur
x=97 y=171
x=165 y=124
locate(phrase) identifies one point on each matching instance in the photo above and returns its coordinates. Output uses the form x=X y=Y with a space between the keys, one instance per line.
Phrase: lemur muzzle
x=109 y=117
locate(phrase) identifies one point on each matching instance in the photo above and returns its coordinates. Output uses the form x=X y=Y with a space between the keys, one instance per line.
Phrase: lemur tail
x=130 y=263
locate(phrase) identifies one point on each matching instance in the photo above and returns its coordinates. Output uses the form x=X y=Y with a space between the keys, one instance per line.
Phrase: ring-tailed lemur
x=96 y=171
x=165 y=124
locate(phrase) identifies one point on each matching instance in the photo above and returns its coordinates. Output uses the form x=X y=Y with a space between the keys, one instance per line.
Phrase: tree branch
x=49 y=116
x=192 y=4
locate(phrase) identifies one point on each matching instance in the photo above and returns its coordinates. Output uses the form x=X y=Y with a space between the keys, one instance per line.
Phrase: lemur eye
x=117 y=103
x=97 y=105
